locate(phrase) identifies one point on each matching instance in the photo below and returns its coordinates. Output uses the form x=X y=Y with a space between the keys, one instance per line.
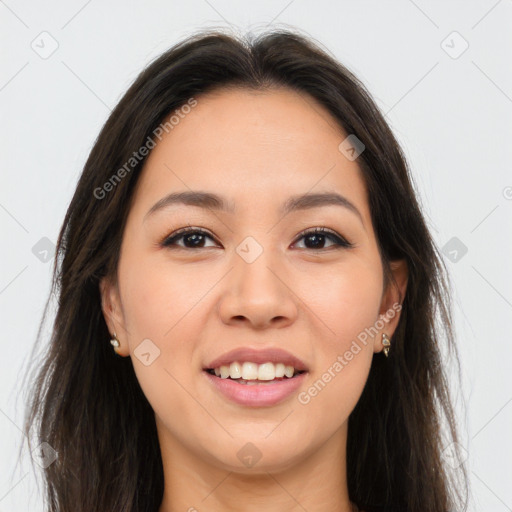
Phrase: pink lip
x=246 y=354
x=258 y=395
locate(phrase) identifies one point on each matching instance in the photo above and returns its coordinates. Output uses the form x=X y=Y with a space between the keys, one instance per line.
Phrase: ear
x=113 y=313
x=392 y=300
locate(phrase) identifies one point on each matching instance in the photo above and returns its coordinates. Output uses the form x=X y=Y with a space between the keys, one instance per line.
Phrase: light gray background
x=451 y=111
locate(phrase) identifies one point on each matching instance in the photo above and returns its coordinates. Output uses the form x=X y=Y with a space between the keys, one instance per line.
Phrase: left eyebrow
x=208 y=200
x=316 y=200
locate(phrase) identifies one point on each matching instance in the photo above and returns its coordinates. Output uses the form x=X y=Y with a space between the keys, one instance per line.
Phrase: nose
x=257 y=294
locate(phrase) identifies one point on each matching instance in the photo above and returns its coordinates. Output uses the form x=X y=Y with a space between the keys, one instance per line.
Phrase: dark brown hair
x=86 y=402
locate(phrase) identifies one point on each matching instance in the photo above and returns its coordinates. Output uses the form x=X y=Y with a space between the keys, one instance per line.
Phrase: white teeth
x=279 y=370
x=266 y=371
x=249 y=371
x=235 y=370
x=253 y=371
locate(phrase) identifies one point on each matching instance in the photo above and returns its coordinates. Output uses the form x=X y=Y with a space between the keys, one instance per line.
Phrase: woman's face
x=251 y=281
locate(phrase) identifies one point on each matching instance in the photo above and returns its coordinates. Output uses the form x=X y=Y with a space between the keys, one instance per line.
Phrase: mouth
x=256 y=377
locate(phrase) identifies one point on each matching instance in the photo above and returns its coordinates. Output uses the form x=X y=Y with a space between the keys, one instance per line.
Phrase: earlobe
x=392 y=303
x=110 y=307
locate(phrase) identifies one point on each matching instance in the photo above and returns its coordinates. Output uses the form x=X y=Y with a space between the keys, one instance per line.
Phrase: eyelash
x=169 y=241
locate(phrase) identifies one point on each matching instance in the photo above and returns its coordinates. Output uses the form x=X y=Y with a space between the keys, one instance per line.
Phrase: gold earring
x=386 y=343
x=115 y=342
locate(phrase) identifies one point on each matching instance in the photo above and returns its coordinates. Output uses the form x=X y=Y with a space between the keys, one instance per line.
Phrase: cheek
x=166 y=303
x=348 y=303
x=347 y=300
x=161 y=303
x=157 y=294
x=344 y=359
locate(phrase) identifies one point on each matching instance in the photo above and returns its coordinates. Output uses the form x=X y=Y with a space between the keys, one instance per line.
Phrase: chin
x=257 y=459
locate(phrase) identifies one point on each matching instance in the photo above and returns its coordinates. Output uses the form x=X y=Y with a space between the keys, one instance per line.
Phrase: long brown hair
x=85 y=401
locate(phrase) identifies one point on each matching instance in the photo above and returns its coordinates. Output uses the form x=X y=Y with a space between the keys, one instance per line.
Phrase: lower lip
x=258 y=395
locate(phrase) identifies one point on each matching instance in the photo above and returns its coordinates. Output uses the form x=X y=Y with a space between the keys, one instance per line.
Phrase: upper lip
x=246 y=354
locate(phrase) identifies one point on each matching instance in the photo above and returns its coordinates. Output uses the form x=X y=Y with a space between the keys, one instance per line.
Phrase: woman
x=246 y=235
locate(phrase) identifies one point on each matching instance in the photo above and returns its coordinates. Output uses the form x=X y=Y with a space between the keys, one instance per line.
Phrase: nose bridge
x=256 y=288
x=255 y=270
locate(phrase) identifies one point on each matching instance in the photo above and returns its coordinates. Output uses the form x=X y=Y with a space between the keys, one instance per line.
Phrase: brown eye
x=192 y=239
x=316 y=239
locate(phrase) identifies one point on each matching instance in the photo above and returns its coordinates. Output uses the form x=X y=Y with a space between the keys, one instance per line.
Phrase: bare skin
x=196 y=302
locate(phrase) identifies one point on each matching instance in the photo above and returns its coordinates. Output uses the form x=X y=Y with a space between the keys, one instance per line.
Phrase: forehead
x=253 y=145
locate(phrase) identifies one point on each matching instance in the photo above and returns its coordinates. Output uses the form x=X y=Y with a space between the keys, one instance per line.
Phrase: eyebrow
x=208 y=200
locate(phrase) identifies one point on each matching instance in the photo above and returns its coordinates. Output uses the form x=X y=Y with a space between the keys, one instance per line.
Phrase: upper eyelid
x=187 y=230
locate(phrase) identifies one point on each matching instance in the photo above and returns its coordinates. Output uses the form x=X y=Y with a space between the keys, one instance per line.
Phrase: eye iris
x=317 y=239
x=198 y=239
